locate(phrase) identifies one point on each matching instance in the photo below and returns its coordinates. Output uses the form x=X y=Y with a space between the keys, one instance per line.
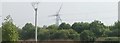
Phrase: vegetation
x=80 y=26
x=28 y=31
x=46 y=34
x=78 y=31
x=9 y=30
x=87 y=35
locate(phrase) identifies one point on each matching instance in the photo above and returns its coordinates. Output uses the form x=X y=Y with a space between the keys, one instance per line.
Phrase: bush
x=87 y=35
x=51 y=34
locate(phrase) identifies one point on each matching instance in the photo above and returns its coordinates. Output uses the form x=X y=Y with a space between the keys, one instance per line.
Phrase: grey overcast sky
x=60 y=0
x=22 y=12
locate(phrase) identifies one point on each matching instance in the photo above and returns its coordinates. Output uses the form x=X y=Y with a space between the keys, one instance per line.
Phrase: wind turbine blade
x=52 y=15
x=60 y=8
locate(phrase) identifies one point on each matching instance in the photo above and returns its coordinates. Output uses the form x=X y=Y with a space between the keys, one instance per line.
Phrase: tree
x=9 y=30
x=61 y=34
x=68 y=34
x=52 y=27
x=98 y=28
x=117 y=25
x=79 y=27
x=115 y=30
x=51 y=34
x=106 y=32
x=115 y=33
x=87 y=35
x=73 y=35
x=28 y=31
x=19 y=32
x=43 y=34
x=64 y=26
x=44 y=27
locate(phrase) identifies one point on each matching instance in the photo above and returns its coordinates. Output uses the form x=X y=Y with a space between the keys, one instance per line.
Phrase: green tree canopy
x=69 y=34
x=87 y=35
x=115 y=30
x=19 y=32
x=117 y=25
x=43 y=34
x=97 y=27
x=115 y=33
x=80 y=26
x=52 y=27
x=9 y=30
x=28 y=31
x=64 y=26
x=48 y=34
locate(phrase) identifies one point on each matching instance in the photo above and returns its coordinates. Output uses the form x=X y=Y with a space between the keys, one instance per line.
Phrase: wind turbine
x=57 y=15
x=35 y=7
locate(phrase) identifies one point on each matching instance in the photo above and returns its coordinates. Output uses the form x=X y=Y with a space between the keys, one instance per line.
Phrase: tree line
x=82 y=31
